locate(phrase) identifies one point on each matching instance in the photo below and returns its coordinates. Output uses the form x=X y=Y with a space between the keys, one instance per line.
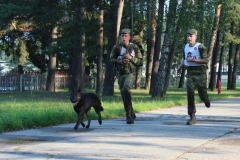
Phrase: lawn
x=37 y=109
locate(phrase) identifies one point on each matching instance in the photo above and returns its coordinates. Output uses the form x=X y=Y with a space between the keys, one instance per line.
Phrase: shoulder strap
x=130 y=48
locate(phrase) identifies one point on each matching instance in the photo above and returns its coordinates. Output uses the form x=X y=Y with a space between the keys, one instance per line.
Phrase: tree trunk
x=20 y=69
x=82 y=62
x=51 y=73
x=139 y=69
x=150 y=42
x=43 y=70
x=167 y=54
x=212 y=83
x=157 y=48
x=82 y=52
x=170 y=59
x=51 y=67
x=75 y=72
x=221 y=58
x=214 y=35
x=173 y=46
x=202 y=4
x=115 y=17
x=99 y=87
x=162 y=69
x=131 y=20
x=230 y=61
x=182 y=78
x=78 y=60
x=234 y=74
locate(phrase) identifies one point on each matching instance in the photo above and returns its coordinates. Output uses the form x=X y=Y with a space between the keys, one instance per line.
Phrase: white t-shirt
x=192 y=52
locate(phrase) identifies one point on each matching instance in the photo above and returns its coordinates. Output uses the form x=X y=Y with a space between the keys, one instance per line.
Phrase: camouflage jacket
x=128 y=66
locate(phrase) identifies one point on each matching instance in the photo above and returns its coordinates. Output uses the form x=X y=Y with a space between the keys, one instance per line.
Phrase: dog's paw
x=100 y=122
x=87 y=126
x=76 y=127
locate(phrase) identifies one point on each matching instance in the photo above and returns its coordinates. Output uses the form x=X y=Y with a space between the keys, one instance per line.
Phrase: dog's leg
x=99 y=118
x=80 y=119
x=89 y=120
x=83 y=125
x=98 y=108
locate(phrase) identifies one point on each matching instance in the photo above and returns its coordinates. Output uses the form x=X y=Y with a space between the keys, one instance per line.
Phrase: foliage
x=23 y=52
x=26 y=27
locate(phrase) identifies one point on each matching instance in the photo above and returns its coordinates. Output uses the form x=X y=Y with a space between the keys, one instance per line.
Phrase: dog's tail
x=101 y=108
x=98 y=106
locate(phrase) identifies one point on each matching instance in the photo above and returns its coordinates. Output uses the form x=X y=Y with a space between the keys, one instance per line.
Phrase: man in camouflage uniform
x=195 y=61
x=127 y=57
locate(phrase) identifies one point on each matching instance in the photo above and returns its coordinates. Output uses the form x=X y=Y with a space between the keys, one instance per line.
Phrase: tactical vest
x=128 y=67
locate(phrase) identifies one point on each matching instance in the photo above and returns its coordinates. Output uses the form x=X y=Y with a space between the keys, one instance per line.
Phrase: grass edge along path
x=28 y=110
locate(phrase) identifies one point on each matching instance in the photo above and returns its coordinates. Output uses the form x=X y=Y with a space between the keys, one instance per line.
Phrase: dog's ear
x=79 y=89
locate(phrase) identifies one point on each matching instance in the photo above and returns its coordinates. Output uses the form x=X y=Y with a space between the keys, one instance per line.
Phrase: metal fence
x=63 y=80
x=31 y=80
x=13 y=81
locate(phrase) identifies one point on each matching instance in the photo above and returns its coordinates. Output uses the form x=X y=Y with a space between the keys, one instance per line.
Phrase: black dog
x=82 y=103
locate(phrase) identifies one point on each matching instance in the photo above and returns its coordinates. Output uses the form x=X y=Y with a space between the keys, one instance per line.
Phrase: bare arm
x=199 y=61
x=180 y=66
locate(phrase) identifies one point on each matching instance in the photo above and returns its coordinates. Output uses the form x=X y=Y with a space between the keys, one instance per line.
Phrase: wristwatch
x=193 y=60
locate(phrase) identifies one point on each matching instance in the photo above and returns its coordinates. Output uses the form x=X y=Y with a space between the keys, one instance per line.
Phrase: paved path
x=160 y=134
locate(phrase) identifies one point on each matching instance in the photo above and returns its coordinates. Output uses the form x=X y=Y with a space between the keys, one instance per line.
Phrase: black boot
x=207 y=104
x=129 y=114
x=133 y=115
x=130 y=120
x=127 y=100
x=192 y=119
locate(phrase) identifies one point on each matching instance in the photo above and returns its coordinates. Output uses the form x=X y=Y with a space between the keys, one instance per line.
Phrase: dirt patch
x=22 y=141
x=171 y=123
x=234 y=141
x=209 y=148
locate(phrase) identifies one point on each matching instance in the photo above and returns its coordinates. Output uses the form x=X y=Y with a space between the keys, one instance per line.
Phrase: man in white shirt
x=195 y=60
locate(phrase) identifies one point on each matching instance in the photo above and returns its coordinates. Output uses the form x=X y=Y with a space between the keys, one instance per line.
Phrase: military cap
x=126 y=30
x=192 y=31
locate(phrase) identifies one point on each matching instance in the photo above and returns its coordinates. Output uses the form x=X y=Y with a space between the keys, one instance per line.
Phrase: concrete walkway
x=160 y=134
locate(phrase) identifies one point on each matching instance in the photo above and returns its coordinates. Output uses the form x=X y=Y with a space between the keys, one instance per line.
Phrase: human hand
x=189 y=59
x=127 y=56
x=178 y=70
x=121 y=61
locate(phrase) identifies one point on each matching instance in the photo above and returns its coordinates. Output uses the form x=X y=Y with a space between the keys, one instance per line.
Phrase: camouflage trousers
x=196 y=79
x=125 y=83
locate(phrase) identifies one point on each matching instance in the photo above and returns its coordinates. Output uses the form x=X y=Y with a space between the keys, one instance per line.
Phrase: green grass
x=37 y=109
